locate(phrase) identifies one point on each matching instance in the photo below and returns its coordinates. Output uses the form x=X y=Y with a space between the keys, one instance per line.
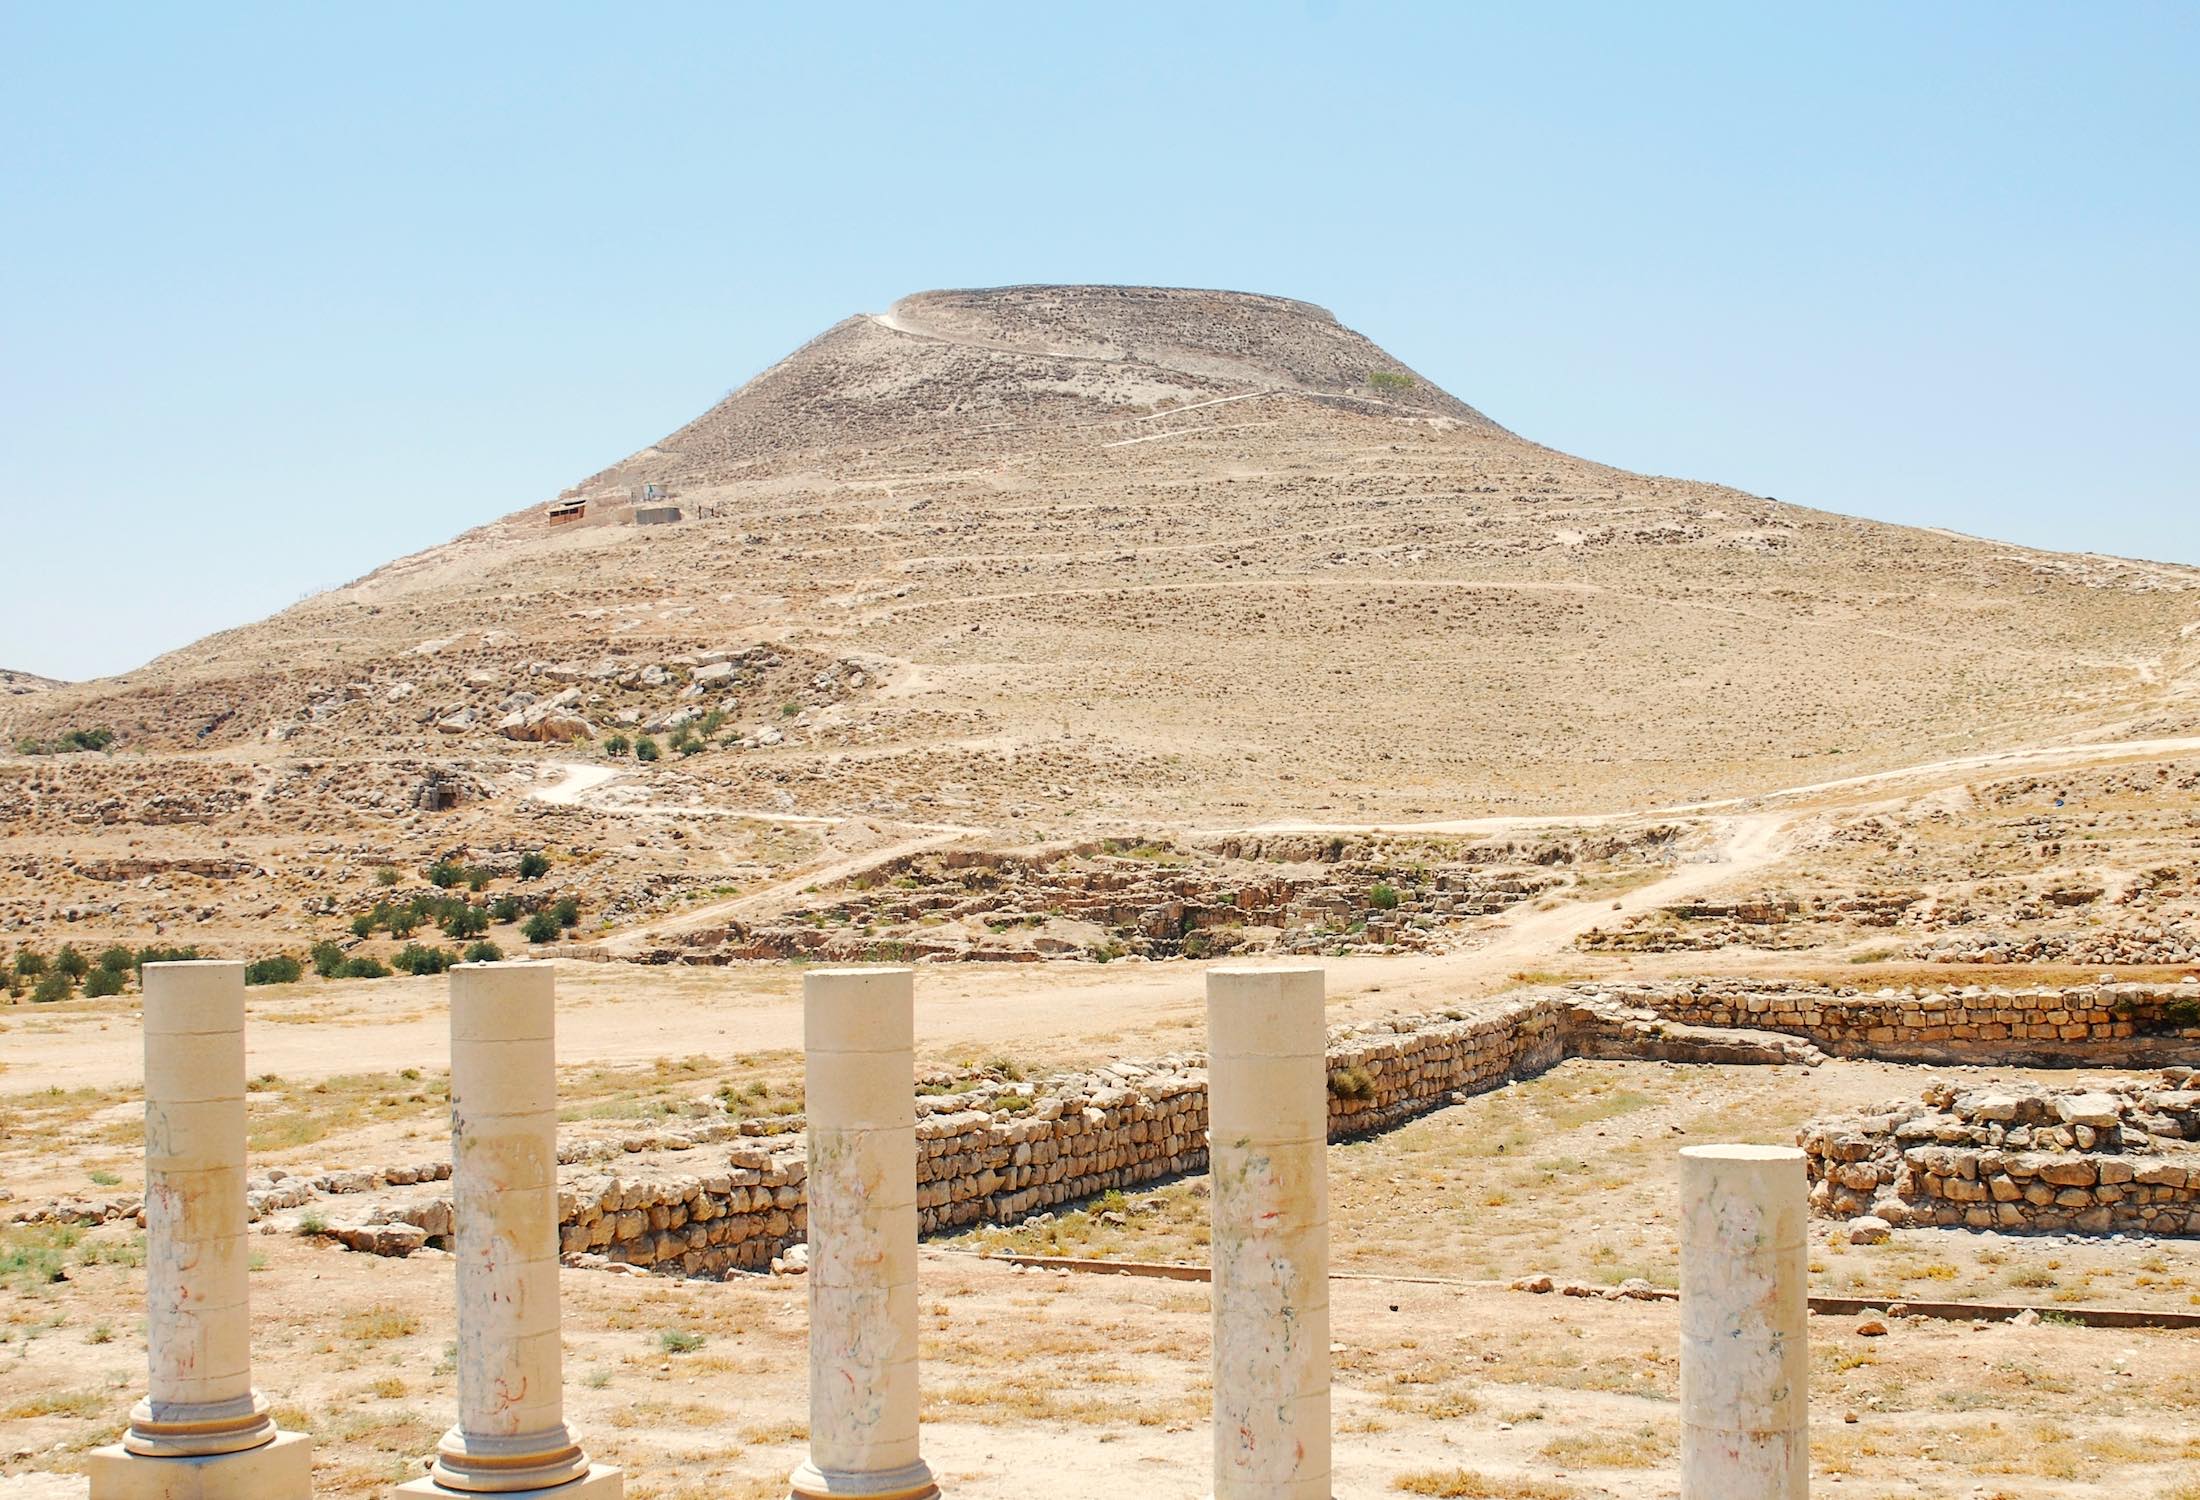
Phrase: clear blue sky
x=288 y=291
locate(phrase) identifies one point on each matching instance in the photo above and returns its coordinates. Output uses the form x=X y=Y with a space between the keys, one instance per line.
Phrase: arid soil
x=1062 y=563
x=1065 y=640
x=1439 y=1368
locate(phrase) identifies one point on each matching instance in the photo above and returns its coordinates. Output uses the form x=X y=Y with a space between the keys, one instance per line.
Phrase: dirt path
x=580 y=780
x=775 y=896
x=613 y=1013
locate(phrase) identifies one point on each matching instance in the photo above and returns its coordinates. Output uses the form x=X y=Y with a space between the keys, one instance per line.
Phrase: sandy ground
x=1555 y=1397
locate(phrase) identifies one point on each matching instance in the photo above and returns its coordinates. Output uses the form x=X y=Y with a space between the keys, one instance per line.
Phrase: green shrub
x=444 y=874
x=645 y=748
x=542 y=927
x=363 y=925
x=681 y=1341
x=504 y=909
x=789 y=710
x=484 y=953
x=685 y=741
x=363 y=967
x=533 y=865
x=117 y=960
x=328 y=959
x=404 y=921
x=101 y=983
x=54 y=986
x=156 y=953
x=465 y=921
x=567 y=909
x=617 y=744
x=387 y=876
x=1383 y=897
x=1389 y=380
x=281 y=969
x=29 y=965
x=74 y=740
x=413 y=958
x=478 y=876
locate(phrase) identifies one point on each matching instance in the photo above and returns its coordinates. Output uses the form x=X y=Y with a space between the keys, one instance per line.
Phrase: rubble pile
x=2105 y=1158
x=1116 y=898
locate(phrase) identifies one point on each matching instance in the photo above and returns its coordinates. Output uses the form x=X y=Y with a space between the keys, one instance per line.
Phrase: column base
x=278 y=1470
x=600 y=1482
x=913 y=1483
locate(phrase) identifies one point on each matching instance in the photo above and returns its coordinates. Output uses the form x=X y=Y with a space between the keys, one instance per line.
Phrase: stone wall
x=997 y=1152
x=2124 y=1157
x=1035 y=1145
x=2116 y=1025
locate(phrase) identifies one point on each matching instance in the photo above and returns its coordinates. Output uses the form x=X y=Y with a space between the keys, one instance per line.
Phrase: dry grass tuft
x=1466 y=1484
x=377 y=1324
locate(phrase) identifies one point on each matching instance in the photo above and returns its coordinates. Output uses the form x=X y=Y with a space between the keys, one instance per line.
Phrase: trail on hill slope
x=1068 y=1010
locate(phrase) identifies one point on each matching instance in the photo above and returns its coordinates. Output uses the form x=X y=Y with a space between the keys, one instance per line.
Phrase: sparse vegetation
x=71 y=742
x=1351 y=1083
x=414 y=958
x=280 y=969
x=1466 y=1484
x=380 y=1324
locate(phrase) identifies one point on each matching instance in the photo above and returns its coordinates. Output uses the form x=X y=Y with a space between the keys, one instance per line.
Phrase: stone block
x=601 y=1482
x=280 y=1470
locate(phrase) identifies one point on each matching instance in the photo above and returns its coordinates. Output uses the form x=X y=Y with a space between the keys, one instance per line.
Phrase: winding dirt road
x=613 y=1014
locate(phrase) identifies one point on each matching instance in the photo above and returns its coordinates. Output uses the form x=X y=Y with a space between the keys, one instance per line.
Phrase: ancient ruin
x=859 y=1039
x=202 y=1432
x=1723 y=908
x=511 y=1436
x=1270 y=1140
x=1745 y=1364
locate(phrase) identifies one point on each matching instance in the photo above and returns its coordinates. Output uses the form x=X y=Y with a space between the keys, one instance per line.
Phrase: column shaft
x=859 y=1040
x=1745 y=1361
x=199 y=1397
x=1268 y=1129
x=511 y=1432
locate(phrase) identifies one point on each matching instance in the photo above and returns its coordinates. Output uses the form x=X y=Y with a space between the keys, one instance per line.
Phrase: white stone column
x=201 y=1429
x=859 y=1046
x=1745 y=1358
x=1268 y=1136
x=511 y=1435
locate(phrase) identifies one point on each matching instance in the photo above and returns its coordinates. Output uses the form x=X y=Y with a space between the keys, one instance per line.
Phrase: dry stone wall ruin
x=2120 y=1157
x=2104 y=1025
x=1002 y=1152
